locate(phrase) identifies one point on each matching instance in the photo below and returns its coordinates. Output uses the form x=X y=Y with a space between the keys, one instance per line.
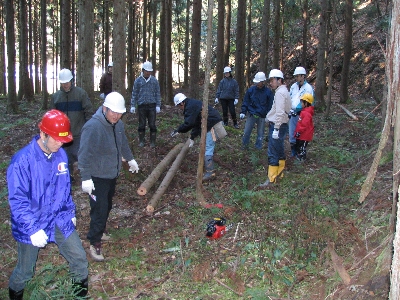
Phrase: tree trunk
x=24 y=82
x=168 y=178
x=187 y=44
x=168 y=51
x=320 y=84
x=162 y=79
x=240 y=45
x=161 y=167
x=130 y=54
x=43 y=53
x=227 y=33
x=3 y=78
x=195 y=50
x=348 y=44
x=331 y=58
x=277 y=31
x=305 y=34
x=265 y=37
x=12 y=104
x=220 y=42
x=86 y=47
x=36 y=48
x=249 y=47
x=119 y=38
x=65 y=35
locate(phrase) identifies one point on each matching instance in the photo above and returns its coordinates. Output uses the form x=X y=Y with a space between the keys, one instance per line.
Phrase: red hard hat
x=56 y=124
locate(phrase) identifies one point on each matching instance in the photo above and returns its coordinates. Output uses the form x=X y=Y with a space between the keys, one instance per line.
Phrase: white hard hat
x=115 y=102
x=65 y=75
x=260 y=76
x=147 y=66
x=275 y=73
x=227 y=70
x=110 y=64
x=179 y=98
x=299 y=71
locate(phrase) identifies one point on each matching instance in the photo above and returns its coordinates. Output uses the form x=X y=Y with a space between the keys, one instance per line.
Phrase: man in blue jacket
x=41 y=206
x=256 y=104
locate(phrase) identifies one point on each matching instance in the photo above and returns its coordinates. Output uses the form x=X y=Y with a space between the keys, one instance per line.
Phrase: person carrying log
x=192 y=115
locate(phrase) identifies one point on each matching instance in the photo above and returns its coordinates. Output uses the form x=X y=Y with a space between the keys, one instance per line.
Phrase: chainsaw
x=216 y=228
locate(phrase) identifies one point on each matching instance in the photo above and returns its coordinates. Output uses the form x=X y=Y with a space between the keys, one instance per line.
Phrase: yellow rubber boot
x=272 y=174
x=281 y=166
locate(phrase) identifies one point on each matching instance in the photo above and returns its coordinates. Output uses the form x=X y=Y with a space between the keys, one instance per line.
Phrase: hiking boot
x=141 y=139
x=95 y=252
x=105 y=237
x=236 y=126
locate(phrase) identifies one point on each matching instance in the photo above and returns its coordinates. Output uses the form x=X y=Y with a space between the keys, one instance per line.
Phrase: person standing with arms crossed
x=297 y=90
x=146 y=95
x=41 y=205
x=75 y=103
x=104 y=146
x=277 y=119
x=228 y=95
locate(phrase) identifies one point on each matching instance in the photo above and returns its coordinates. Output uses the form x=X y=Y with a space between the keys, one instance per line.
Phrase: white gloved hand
x=235 y=102
x=191 y=143
x=133 y=110
x=241 y=116
x=102 y=96
x=39 y=239
x=133 y=166
x=157 y=109
x=275 y=134
x=88 y=186
x=74 y=221
x=216 y=101
x=174 y=133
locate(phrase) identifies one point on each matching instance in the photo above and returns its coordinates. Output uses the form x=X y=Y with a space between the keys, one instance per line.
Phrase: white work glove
x=191 y=143
x=133 y=166
x=216 y=101
x=102 y=96
x=39 y=239
x=275 y=134
x=174 y=133
x=157 y=109
x=235 y=102
x=133 y=110
x=242 y=116
x=74 y=221
x=88 y=186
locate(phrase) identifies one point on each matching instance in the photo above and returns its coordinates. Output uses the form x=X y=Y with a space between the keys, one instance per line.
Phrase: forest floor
x=286 y=243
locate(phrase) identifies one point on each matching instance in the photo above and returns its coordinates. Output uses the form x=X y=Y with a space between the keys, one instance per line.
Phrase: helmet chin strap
x=48 y=153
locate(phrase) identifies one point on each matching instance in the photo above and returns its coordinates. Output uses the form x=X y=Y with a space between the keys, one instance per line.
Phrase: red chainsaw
x=216 y=228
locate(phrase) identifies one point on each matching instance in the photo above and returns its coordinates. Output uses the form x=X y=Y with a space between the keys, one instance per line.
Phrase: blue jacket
x=228 y=88
x=192 y=113
x=257 y=101
x=39 y=193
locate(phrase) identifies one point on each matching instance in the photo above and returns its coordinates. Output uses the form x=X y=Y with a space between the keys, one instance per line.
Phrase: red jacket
x=305 y=125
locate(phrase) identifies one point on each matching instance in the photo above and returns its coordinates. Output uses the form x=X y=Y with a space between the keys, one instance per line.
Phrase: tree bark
x=168 y=178
x=220 y=42
x=12 y=104
x=240 y=46
x=227 y=33
x=3 y=78
x=195 y=50
x=348 y=45
x=153 y=177
x=305 y=34
x=264 y=67
x=43 y=53
x=277 y=30
x=25 y=89
x=65 y=35
x=119 y=38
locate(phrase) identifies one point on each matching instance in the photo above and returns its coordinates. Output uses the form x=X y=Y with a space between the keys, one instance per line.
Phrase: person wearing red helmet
x=41 y=205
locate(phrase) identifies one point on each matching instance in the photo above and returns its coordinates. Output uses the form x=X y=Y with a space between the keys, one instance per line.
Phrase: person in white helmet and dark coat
x=146 y=95
x=228 y=94
x=103 y=148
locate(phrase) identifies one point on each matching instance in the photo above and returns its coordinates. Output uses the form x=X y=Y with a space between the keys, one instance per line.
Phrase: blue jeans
x=250 y=122
x=292 y=127
x=210 y=144
x=276 y=149
x=71 y=248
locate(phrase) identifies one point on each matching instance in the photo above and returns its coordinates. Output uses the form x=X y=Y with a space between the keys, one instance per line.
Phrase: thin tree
x=187 y=44
x=195 y=50
x=265 y=37
x=144 y=33
x=130 y=48
x=106 y=32
x=306 y=19
x=154 y=36
x=227 y=33
x=12 y=104
x=36 y=47
x=30 y=48
x=240 y=45
x=331 y=56
x=162 y=55
x=220 y=41
x=320 y=85
x=65 y=35
x=3 y=78
x=43 y=53
x=119 y=38
x=348 y=44
x=168 y=51
x=86 y=46
x=248 y=49
x=277 y=33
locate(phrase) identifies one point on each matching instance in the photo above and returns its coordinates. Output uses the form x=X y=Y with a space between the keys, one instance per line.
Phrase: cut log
x=168 y=178
x=338 y=264
x=347 y=112
x=161 y=167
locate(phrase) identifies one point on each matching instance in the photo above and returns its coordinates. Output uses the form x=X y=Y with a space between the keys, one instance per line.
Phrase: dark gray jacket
x=102 y=148
x=228 y=88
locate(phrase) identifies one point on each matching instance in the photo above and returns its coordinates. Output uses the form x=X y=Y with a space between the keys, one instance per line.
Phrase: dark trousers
x=100 y=207
x=147 y=112
x=228 y=104
x=301 y=149
x=72 y=152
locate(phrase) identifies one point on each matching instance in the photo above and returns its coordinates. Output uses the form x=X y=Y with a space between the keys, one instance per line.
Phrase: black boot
x=293 y=150
x=209 y=165
x=153 y=136
x=82 y=288
x=235 y=124
x=15 y=295
x=141 y=139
